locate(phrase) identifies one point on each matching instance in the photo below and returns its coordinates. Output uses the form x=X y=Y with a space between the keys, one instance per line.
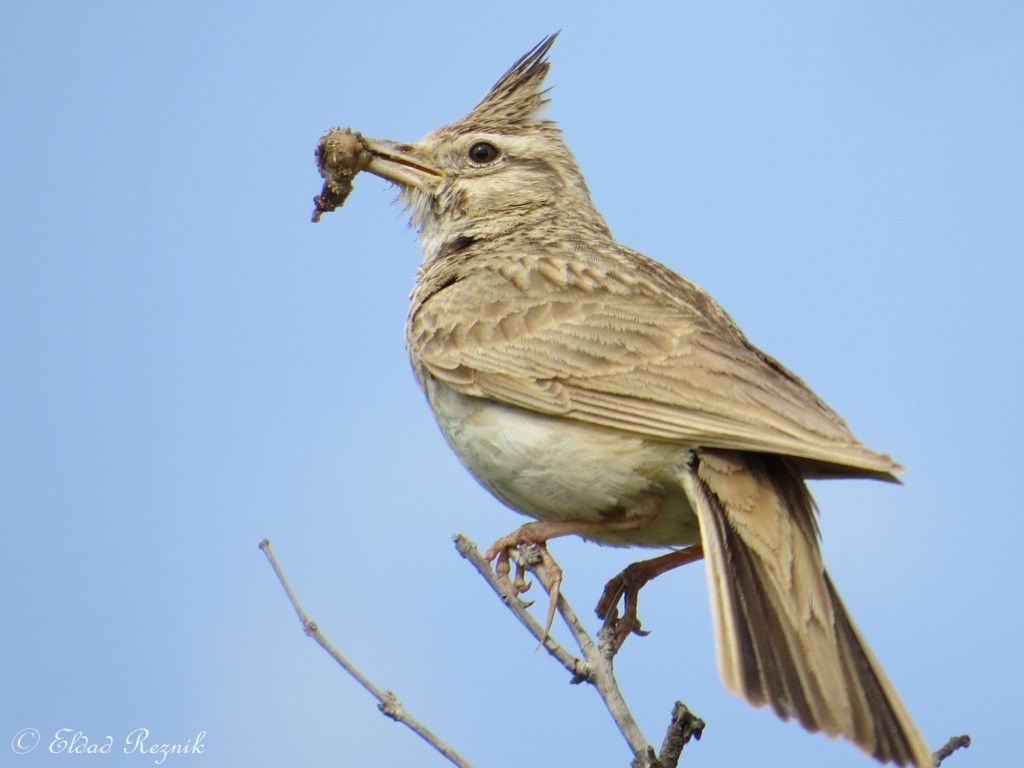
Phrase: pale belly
x=558 y=469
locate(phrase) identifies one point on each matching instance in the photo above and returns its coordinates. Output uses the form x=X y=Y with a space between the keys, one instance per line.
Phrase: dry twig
x=388 y=703
x=684 y=726
x=951 y=746
x=596 y=667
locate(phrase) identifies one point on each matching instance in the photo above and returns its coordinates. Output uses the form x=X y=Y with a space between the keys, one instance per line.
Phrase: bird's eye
x=483 y=152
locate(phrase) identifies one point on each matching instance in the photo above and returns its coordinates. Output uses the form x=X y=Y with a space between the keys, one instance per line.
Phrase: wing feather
x=656 y=357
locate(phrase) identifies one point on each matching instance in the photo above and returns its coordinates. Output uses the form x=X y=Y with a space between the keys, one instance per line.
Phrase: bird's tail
x=783 y=635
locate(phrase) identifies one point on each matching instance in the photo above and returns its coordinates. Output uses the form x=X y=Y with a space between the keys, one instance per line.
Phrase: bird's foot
x=530 y=541
x=626 y=587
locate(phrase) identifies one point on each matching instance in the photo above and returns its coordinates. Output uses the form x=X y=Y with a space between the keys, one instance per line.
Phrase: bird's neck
x=528 y=228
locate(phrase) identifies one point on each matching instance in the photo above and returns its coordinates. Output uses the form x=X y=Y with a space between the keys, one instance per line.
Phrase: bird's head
x=501 y=168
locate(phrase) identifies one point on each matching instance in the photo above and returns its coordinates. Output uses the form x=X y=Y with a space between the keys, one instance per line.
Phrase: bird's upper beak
x=400 y=163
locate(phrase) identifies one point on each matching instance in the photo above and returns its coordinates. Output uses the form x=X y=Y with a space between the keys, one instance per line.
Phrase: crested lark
x=602 y=394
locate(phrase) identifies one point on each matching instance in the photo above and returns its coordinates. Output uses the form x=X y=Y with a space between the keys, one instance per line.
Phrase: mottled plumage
x=587 y=385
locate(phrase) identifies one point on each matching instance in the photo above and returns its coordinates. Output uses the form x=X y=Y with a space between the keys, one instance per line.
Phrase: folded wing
x=653 y=355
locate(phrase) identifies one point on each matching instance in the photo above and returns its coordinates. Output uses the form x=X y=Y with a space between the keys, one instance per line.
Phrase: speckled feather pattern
x=579 y=380
x=592 y=338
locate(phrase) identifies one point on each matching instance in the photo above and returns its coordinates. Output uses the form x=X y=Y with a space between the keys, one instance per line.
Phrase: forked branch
x=596 y=667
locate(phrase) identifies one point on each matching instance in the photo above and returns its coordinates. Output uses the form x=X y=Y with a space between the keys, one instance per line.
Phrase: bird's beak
x=400 y=163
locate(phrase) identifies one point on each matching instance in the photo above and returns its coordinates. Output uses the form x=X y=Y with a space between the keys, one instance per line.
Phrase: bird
x=604 y=395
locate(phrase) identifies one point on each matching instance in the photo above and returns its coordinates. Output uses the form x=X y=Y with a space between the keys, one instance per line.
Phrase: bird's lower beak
x=400 y=163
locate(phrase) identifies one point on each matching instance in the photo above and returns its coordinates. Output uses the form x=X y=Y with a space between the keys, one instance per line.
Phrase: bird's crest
x=518 y=97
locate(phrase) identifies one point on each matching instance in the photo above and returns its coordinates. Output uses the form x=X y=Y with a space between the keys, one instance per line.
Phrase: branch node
x=391 y=706
x=582 y=673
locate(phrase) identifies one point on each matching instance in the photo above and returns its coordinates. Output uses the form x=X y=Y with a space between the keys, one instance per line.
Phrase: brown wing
x=642 y=350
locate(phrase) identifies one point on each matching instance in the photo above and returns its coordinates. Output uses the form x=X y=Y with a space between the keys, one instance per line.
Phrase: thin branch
x=388 y=703
x=574 y=665
x=951 y=746
x=597 y=666
x=684 y=726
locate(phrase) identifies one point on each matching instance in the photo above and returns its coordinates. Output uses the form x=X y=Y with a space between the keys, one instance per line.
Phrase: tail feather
x=783 y=635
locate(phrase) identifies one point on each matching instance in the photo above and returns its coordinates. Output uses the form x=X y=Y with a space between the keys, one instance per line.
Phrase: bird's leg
x=626 y=587
x=538 y=533
x=548 y=571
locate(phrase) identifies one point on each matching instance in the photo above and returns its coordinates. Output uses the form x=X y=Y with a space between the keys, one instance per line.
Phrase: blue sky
x=189 y=365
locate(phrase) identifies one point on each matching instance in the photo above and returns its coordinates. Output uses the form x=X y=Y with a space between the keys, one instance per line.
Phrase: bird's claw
x=530 y=555
x=624 y=587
